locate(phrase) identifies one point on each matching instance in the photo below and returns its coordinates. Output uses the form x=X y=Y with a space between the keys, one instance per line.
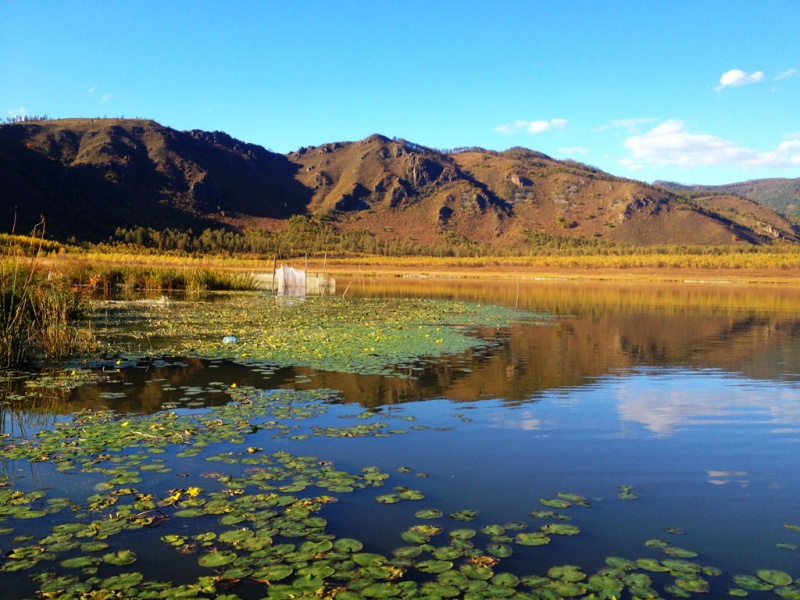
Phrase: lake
x=616 y=440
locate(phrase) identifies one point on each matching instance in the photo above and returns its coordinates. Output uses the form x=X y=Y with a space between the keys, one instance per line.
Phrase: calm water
x=689 y=393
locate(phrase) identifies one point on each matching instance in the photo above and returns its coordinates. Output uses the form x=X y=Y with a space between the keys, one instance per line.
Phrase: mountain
x=782 y=195
x=90 y=176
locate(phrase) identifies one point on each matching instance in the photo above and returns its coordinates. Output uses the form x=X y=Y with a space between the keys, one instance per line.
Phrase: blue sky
x=694 y=91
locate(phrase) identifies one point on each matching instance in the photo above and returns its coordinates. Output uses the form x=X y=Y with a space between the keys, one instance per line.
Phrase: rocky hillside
x=782 y=195
x=89 y=177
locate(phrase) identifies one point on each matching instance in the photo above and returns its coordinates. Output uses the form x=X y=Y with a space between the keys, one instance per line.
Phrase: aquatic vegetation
x=370 y=336
x=40 y=316
x=260 y=519
x=233 y=500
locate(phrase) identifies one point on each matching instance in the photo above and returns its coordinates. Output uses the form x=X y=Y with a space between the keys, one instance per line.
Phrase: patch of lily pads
x=256 y=523
x=368 y=336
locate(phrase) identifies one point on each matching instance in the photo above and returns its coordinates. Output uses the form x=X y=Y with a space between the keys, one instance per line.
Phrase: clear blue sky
x=698 y=91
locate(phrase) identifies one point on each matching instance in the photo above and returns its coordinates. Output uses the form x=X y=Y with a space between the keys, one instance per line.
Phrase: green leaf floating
x=122 y=582
x=217 y=559
x=464 y=515
x=750 y=582
x=434 y=566
x=429 y=513
x=532 y=539
x=778 y=578
x=122 y=557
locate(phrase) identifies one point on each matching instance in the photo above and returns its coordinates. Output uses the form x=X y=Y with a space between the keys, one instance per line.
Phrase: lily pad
x=777 y=578
x=429 y=513
x=217 y=559
x=434 y=566
x=464 y=515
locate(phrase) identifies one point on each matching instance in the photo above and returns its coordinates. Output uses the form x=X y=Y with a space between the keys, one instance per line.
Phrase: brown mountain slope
x=780 y=194
x=399 y=190
x=90 y=176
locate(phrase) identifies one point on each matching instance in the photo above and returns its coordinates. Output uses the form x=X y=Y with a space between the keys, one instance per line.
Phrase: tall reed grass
x=158 y=278
x=39 y=312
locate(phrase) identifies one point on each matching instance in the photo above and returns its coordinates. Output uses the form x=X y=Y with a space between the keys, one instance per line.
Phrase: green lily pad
x=429 y=513
x=560 y=529
x=462 y=534
x=506 y=580
x=651 y=564
x=500 y=550
x=347 y=545
x=434 y=566
x=535 y=538
x=377 y=590
x=493 y=530
x=679 y=552
x=788 y=592
x=464 y=515
x=566 y=573
x=695 y=585
x=122 y=557
x=750 y=582
x=555 y=502
x=476 y=571
x=273 y=573
x=217 y=559
x=388 y=499
x=122 y=582
x=80 y=562
x=777 y=578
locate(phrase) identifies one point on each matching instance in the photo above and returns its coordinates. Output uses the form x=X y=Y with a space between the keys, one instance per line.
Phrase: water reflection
x=596 y=329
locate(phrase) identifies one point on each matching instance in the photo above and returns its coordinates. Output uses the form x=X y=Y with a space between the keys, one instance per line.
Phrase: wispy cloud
x=632 y=125
x=571 y=151
x=737 y=78
x=17 y=112
x=103 y=97
x=531 y=126
x=787 y=73
x=670 y=143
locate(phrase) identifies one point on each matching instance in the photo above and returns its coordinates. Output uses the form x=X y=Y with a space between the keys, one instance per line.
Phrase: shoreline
x=536 y=269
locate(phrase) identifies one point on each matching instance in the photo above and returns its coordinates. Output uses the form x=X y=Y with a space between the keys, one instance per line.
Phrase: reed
x=155 y=278
x=39 y=312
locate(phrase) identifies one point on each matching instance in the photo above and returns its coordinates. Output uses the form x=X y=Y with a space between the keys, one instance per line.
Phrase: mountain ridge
x=778 y=193
x=90 y=176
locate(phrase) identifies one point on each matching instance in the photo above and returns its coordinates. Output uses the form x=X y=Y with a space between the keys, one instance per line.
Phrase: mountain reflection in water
x=592 y=330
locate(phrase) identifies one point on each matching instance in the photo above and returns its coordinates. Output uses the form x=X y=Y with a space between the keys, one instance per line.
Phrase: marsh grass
x=39 y=312
x=157 y=278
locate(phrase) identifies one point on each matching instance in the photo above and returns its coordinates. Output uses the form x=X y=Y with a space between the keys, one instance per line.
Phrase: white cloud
x=531 y=126
x=736 y=78
x=106 y=97
x=631 y=125
x=18 y=112
x=631 y=164
x=91 y=90
x=671 y=144
x=573 y=150
x=787 y=73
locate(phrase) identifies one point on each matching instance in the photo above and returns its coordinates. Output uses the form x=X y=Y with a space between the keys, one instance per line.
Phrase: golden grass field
x=772 y=268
